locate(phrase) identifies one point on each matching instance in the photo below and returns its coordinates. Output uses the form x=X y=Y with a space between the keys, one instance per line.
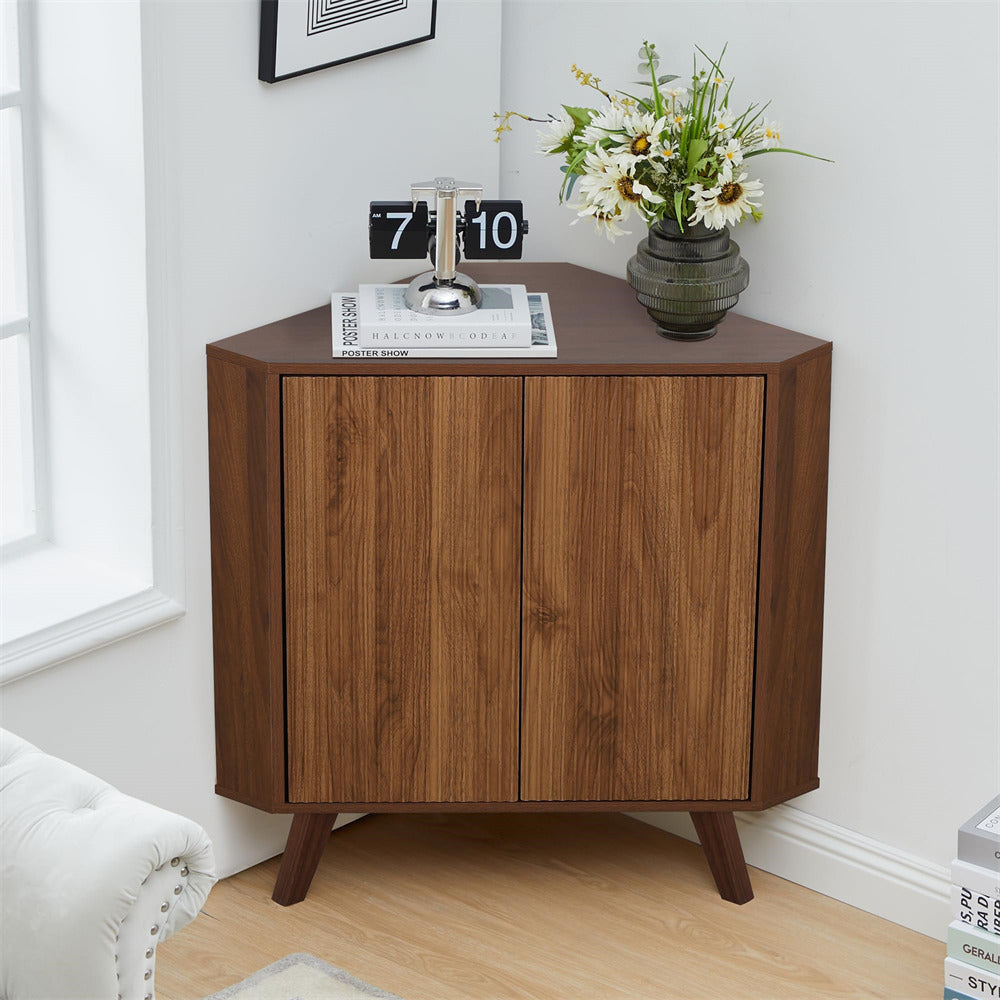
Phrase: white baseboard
x=839 y=863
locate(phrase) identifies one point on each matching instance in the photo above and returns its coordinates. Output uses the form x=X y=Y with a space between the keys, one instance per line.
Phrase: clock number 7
x=406 y=217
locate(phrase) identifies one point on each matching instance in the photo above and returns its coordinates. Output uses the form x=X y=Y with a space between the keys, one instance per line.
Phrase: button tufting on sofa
x=86 y=871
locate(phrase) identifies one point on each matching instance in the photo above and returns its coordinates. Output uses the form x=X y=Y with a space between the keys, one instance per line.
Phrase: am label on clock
x=397 y=230
x=494 y=230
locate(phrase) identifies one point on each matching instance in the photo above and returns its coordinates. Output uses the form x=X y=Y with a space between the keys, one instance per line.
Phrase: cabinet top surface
x=598 y=322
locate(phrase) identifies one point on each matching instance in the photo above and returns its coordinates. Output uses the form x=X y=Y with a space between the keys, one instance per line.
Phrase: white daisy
x=609 y=184
x=641 y=136
x=604 y=124
x=675 y=93
x=726 y=203
x=770 y=134
x=677 y=120
x=666 y=152
x=697 y=191
x=723 y=121
x=731 y=155
x=559 y=130
x=604 y=222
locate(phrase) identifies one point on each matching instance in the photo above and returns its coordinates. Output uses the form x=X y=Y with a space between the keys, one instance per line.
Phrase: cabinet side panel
x=641 y=516
x=402 y=548
x=248 y=735
x=793 y=553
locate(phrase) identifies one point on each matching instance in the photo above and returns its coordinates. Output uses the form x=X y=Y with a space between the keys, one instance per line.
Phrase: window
x=20 y=479
x=90 y=465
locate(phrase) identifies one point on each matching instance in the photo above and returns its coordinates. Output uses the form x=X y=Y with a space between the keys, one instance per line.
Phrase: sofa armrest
x=92 y=880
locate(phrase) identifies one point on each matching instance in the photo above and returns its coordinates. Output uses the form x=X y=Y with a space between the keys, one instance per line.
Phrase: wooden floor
x=570 y=907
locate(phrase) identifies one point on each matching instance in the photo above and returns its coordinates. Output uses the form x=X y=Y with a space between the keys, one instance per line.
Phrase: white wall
x=258 y=207
x=891 y=253
x=257 y=197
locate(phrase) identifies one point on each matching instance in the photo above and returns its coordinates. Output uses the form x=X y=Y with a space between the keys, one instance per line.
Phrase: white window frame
x=71 y=589
x=35 y=485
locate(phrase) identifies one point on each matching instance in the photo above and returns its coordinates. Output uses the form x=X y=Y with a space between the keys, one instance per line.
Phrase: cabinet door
x=641 y=512
x=402 y=563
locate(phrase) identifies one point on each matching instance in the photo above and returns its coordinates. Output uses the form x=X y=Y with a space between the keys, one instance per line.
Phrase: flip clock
x=488 y=230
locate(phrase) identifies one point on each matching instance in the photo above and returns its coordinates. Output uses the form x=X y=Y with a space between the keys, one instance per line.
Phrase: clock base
x=435 y=298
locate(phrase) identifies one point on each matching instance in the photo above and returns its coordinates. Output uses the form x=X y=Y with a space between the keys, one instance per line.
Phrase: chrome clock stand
x=444 y=290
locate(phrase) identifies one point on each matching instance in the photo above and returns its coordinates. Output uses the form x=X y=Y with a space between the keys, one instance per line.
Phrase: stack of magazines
x=972 y=968
x=374 y=322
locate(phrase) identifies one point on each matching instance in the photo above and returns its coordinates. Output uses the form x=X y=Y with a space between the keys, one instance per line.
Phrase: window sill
x=56 y=604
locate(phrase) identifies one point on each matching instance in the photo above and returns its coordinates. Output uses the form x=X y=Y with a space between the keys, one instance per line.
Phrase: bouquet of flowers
x=678 y=153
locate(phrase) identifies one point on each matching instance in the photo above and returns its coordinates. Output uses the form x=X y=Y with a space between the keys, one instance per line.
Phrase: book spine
x=979 y=837
x=950 y=994
x=445 y=352
x=428 y=336
x=978 y=909
x=974 y=947
x=968 y=979
x=977 y=848
x=976 y=878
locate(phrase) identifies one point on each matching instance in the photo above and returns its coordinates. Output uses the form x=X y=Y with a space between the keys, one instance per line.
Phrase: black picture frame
x=302 y=36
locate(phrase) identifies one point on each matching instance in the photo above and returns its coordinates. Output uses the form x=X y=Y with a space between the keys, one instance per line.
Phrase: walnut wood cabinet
x=589 y=582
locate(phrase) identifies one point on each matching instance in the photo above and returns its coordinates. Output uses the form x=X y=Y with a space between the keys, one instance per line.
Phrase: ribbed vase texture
x=687 y=281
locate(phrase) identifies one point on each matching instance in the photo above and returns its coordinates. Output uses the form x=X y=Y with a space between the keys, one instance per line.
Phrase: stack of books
x=374 y=322
x=972 y=968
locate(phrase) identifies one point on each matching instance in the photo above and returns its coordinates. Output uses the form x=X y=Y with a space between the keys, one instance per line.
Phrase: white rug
x=301 y=977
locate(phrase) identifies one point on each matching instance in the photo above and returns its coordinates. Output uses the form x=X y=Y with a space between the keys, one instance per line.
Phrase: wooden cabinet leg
x=303 y=849
x=720 y=841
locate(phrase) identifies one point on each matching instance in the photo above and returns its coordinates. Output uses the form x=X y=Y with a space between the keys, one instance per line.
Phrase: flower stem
x=657 y=99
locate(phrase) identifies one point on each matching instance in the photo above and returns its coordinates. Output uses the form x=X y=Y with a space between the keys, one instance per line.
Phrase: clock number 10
x=493 y=230
x=508 y=217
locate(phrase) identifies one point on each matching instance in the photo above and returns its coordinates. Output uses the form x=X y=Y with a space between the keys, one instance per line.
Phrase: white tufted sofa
x=91 y=880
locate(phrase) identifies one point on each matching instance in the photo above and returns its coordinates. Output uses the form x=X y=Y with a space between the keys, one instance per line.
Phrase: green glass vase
x=687 y=280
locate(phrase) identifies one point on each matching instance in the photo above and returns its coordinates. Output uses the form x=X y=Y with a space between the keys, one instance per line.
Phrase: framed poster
x=299 y=36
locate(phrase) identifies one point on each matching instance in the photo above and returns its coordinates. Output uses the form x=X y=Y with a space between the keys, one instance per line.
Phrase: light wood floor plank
x=544 y=907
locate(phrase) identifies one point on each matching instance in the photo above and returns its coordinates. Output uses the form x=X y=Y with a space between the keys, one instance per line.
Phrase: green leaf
x=679 y=208
x=706 y=88
x=581 y=116
x=564 y=147
x=570 y=171
x=660 y=80
x=748 y=118
x=666 y=78
x=781 y=149
x=696 y=150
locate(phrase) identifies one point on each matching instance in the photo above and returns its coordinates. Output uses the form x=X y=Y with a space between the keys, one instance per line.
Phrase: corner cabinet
x=588 y=582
